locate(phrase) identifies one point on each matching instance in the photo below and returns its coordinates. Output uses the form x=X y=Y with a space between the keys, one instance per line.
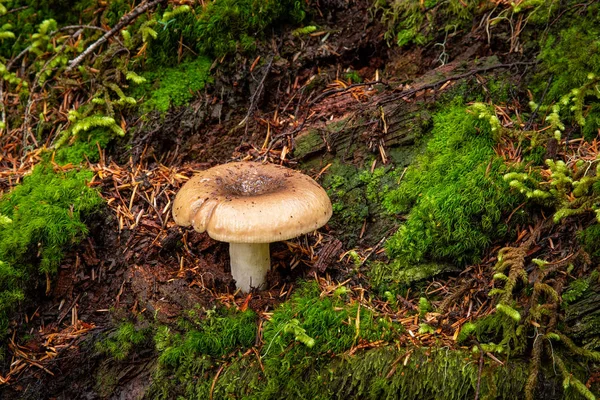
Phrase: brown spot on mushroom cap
x=249 y=202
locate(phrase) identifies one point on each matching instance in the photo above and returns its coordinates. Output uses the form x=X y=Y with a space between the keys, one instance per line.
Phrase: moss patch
x=301 y=336
x=120 y=343
x=173 y=87
x=84 y=147
x=383 y=373
x=307 y=143
x=590 y=240
x=454 y=195
x=564 y=60
x=356 y=195
x=418 y=22
x=43 y=217
x=222 y=27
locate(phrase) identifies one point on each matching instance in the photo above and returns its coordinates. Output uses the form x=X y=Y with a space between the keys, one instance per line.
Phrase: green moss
x=578 y=288
x=384 y=274
x=536 y=154
x=119 y=344
x=347 y=196
x=352 y=76
x=107 y=380
x=382 y=373
x=228 y=24
x=26 y=21
x=222 y=27
x=417 y=22
x=454 y=195
x=356 y=195
x=500 y=89
x=323 y=319
x=567 y=73
x=589 y=238
x=46 y=213
x=84 y=148
x=115 y=10
x=219 y=334
x=582 y=317
x=11 y=281
x=499 y=333
x=307 y=143
x=563 y=59
x=301 y=336
x=173 y=87
x=203 y=344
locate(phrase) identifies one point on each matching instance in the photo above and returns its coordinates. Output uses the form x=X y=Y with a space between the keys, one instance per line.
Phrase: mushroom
x=250 y=205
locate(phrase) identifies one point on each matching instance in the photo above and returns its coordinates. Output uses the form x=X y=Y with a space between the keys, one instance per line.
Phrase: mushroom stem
x=249 y=264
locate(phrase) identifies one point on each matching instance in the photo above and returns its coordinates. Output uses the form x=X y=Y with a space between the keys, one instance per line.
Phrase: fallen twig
x=329 y=93
x=478 y=387
x=257 y=94
x=126 y=20
x=435 y=84
x=535 y=112
x=377 y=246
x=214 y=382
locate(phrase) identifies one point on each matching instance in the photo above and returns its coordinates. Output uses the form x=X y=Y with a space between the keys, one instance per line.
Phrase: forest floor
x=336 y=99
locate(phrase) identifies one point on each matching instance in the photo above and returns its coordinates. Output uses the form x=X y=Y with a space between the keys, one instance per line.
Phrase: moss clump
x=46 y=213
x=589 y=238
x=353 y=76
x=454 y=195
x=85 y=147
x=203 y=345
x=325 y=320
x=173 y=87
x=382 y=373
x=497 y=333
x=219 y=333
x=564 y=60
x=418 y=22
x=228 y=24
x=301 y=336
x=120 y=343
x=222 y=27
x=568 y=75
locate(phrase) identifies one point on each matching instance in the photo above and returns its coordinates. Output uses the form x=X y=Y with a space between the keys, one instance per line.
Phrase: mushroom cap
x=249 y=202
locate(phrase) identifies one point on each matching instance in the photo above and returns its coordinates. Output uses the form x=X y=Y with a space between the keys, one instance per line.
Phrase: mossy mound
x=221 y=27
x=382 y=373
x=453 y=195
x=41 y=218
x=173 y=87
x=84 y=148
x=302 y=335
